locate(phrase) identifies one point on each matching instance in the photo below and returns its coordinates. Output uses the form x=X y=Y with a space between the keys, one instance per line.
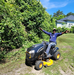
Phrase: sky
x=52 y=6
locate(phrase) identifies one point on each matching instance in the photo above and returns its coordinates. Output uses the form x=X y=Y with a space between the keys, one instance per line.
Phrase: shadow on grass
x=3 y=53
x=2 y=61
x=30 y=64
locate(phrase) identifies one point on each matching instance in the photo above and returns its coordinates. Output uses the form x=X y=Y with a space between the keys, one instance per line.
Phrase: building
x=65 y=22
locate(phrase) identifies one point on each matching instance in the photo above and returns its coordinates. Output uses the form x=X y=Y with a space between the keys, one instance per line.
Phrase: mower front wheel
x=38 y=65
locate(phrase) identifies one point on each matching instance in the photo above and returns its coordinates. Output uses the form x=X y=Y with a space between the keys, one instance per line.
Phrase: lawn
x=64 y=66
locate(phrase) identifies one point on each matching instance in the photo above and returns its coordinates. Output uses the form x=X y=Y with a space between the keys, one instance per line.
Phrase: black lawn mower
x=36 y=55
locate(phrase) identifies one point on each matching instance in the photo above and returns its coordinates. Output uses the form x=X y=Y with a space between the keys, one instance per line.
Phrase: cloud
x=49 y=5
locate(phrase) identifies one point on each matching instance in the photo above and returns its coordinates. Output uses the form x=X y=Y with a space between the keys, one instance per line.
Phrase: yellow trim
x=49 y=63
x=29 y=54
x=58 y=56
x=40 y=65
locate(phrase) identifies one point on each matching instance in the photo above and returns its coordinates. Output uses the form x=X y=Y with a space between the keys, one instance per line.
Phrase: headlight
x=32 y=51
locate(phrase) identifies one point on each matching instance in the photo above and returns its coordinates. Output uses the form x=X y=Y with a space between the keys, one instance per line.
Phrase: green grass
x=66 y=62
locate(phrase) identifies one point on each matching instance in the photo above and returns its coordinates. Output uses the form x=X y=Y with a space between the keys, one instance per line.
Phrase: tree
x=70 y=13
x=58 y=13
x=59 y=17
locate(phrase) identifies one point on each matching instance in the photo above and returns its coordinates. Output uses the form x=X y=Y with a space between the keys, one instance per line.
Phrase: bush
x=19 y=18
x=72 y=29
x=33 y=37
x=59 y=29
x=63 y=29
x=12 y=31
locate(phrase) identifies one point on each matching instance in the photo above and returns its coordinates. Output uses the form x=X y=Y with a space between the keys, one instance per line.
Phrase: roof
x=71 y=18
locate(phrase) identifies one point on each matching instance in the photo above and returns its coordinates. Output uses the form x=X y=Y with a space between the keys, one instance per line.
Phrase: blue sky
x=52 y=6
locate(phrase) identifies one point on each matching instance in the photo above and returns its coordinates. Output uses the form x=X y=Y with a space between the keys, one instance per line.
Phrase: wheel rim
x=40 y=66
x=58 y=56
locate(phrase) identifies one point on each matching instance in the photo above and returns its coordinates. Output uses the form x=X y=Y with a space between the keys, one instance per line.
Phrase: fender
x=56 y=48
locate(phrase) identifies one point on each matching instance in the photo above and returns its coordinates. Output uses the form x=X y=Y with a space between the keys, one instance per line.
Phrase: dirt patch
x=22 y=70
x=36 y=72
x=14 y=50
x=61 y=58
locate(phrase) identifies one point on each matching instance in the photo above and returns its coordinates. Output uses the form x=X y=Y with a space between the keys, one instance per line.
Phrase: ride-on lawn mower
x=36 y=55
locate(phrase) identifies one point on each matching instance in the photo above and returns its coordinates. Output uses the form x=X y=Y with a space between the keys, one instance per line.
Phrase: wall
x=70 y=23
x=59 y=25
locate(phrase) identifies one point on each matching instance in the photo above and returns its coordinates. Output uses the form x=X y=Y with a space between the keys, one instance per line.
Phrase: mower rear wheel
x=39 y=65
x=57 y=55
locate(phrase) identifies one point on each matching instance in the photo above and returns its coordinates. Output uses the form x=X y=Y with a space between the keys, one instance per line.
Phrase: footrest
x=48 y=57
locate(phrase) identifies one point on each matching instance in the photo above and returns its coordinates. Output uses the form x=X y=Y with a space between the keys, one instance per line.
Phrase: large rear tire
x=38 y=65
x=57 y=55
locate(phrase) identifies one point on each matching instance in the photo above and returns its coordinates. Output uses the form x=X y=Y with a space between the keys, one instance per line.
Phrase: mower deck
x=48 y=63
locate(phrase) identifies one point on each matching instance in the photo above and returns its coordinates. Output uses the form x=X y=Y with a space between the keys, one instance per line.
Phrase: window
x=70 y=24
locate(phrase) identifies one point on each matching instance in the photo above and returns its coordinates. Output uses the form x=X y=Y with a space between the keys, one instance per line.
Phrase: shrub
x=12 y=31
x=59 y=29
x=33 y=37
x=72 y=29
